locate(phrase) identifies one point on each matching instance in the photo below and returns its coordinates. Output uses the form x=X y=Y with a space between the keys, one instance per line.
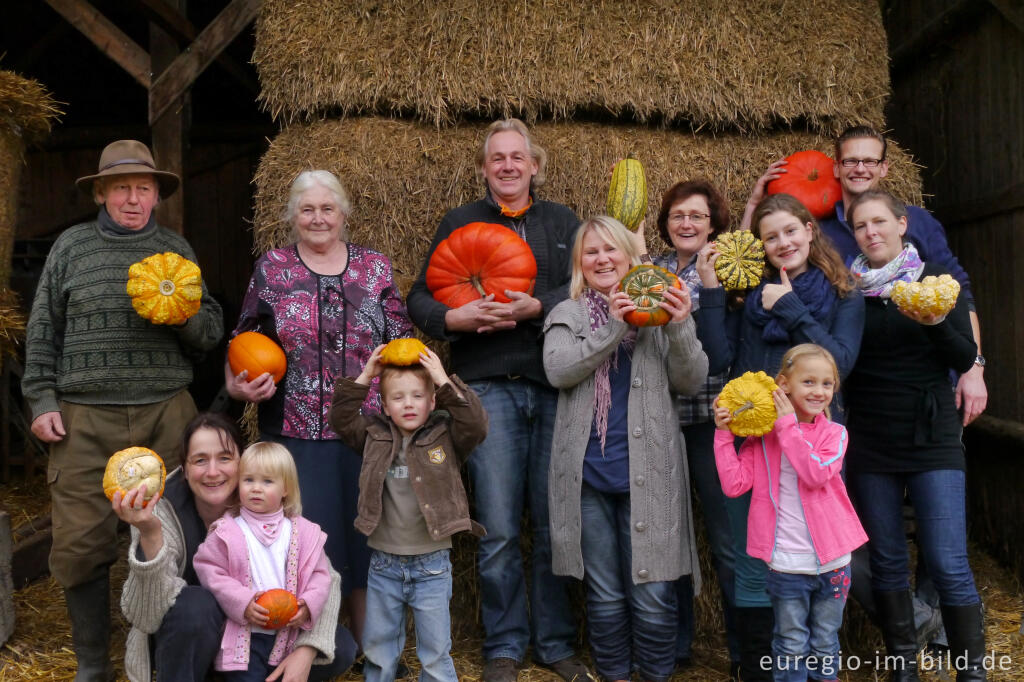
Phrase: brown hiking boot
x=570 y=669
x=501 y=670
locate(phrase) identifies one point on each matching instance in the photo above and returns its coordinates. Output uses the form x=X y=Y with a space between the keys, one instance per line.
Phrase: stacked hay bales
x=393 y=97
x=26 y=112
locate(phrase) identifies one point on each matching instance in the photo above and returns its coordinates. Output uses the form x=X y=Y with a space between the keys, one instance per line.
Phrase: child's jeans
x=808 y=613
x=424 y=582
x=260 y=646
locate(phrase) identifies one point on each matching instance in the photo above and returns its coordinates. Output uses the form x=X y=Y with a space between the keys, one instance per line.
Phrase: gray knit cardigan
x=665 y=359
x=152 y=586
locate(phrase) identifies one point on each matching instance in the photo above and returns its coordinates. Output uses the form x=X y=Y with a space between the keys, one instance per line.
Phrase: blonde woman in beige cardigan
x=618 y=489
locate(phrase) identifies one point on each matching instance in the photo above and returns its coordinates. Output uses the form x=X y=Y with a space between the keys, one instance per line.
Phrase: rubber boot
x=965 y=629
x=896 y=619
x=89 y=609
x=754 y=627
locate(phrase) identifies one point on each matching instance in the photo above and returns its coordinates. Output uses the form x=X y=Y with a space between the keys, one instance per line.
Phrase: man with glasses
x=859 y=165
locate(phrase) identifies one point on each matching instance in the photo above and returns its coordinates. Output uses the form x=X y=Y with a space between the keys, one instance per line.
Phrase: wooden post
x=6 y=582
x=170 y=130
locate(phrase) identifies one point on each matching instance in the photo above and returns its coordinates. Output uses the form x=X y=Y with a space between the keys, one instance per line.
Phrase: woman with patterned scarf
x=905 y=437
x=619 y=489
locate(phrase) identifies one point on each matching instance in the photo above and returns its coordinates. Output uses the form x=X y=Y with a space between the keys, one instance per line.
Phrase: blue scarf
x=811 y=287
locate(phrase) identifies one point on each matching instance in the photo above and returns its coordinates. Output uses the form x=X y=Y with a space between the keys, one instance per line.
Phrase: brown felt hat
x=126 y=157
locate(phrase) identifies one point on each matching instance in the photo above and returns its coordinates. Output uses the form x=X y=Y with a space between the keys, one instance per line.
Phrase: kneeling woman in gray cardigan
x=619 y=491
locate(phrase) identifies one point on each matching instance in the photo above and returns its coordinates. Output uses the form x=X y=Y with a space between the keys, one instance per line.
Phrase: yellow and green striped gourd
x=627 y=195
x=740 y=261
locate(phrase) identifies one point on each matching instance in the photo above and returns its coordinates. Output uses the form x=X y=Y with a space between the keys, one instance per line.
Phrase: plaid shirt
x=695 y=409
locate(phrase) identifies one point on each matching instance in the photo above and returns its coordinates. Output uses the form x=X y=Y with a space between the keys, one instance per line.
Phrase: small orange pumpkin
x=646 y=285
x=257 y=353
x=402 y=352
x=129 y=468
x=282 y=605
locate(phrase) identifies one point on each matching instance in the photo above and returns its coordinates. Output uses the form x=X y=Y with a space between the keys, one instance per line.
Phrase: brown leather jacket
x=437 y=451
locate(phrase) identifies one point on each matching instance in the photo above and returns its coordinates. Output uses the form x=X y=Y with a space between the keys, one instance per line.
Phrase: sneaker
x=501 y=670
x=570 y=669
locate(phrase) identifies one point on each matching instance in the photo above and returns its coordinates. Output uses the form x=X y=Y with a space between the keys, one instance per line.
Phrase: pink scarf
x=266 y=527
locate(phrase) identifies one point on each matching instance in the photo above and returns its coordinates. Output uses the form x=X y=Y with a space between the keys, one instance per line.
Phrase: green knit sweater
x=86 y=344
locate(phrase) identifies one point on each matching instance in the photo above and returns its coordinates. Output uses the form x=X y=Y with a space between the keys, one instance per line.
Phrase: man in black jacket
x=496 y=348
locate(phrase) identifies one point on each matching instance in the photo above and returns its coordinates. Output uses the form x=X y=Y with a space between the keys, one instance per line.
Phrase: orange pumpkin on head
x=256 y=353
x=282 y=606
x=402 y=352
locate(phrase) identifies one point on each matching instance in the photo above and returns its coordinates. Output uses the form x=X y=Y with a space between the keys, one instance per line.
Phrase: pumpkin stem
x=477 y=284
x=743 y=408
x=813 y=174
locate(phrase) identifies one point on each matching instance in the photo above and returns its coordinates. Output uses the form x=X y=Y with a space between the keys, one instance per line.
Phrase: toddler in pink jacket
x=265 y=545
x=801 y=521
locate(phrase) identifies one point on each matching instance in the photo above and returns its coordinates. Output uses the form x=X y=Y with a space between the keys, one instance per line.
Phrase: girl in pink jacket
x=801 y=522
x=265 y=545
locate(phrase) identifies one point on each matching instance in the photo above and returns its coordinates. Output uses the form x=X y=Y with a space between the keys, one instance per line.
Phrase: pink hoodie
x=816 y=452
x=222 y=564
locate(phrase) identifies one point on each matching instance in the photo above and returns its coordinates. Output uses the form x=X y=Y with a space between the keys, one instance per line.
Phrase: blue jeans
x=630 y=624
x=808 y=614
x=260 y=646
x=509 y=470
x=938 y=498
x=424 y=582
x=700 y=455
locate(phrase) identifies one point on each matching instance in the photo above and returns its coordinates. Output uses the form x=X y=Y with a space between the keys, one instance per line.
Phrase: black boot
x=754 y=627
x=896 y=619
x=89 y=609
x=965 y=630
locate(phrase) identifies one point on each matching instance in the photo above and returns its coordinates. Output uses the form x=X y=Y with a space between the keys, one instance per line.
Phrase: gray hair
x=307 y=180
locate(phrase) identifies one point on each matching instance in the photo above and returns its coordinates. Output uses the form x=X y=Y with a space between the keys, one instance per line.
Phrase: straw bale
x=404 y=176
x=709 y=65
x=12 y=148
x=26 y=108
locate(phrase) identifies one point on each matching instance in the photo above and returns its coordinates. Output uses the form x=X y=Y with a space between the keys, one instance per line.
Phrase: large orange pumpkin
x=282 y=605
x=258 y=354
x=402 y=352
x=480 y=259
x=810 y=179
x=129 y=468
x=646 y=285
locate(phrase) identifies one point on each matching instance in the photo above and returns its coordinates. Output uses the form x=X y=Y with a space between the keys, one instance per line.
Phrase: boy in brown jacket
x=411 y=501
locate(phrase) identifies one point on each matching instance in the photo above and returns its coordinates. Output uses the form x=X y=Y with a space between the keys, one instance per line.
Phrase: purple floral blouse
x=327 y=325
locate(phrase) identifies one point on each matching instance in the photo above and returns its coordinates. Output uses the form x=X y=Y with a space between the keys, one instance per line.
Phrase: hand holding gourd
x=678 y=303
x=782 y=404
x=620 y=304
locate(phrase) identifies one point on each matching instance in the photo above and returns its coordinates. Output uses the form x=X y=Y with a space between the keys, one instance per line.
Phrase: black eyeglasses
x=868 y=163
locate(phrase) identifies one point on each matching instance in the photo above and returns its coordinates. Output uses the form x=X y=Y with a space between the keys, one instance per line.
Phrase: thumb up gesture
x=773 y=292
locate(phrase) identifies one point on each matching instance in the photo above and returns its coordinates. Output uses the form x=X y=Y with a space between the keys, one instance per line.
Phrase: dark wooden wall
x=958 y=106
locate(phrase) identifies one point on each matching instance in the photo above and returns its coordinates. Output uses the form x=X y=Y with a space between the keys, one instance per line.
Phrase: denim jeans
x=630 y=624
x=749 y=572
x=700 y=455
x=509 y=470
x=260 y=646
x=424 y=582
x=808 y=613
x=938 y=498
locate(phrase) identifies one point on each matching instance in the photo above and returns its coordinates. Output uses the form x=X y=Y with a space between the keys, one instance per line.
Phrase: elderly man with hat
x=99 y=378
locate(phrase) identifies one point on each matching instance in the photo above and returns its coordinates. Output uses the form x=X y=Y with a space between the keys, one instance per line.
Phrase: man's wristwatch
x=980 y=360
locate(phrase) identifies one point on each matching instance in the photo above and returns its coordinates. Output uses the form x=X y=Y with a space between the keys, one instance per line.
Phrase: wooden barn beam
x=111 y=40
x=180 y=75
x=1013 y=12
x=951 y=21
x=175 y=22
x=170 y=129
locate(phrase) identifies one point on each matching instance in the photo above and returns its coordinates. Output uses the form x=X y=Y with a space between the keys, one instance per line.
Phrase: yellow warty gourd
x=749 y=399
x=740 y=262
x=931 y=296
x=165 y=288
x=627 y=195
